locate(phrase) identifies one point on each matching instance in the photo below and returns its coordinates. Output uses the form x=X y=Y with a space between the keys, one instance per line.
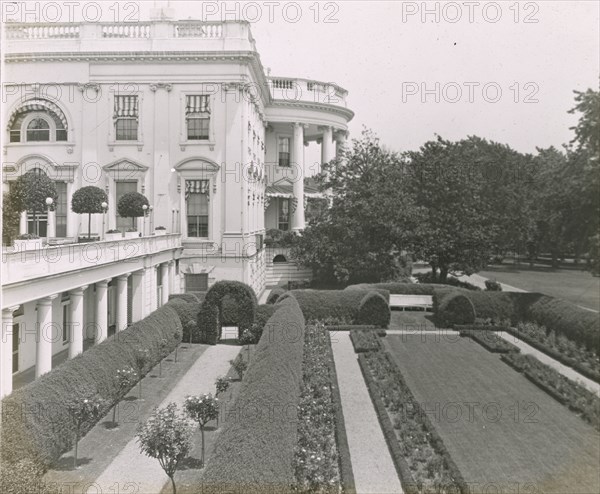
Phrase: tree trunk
x=202 y=433
x=115 y=413
x=443 y=273
x=173 y=484
x=75 y=452
x=89 y=225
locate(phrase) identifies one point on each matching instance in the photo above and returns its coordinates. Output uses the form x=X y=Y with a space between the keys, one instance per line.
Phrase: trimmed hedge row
x=365 y=341
x=186 y=297
x=188 y=315
x=211 y=317
x=256 y=449
x=350 y=327
x=455 y=308
x=275 y=294
x=346 y=306
x=556 y=315
x=399 y=288
x=490 y=341
x=36 y=424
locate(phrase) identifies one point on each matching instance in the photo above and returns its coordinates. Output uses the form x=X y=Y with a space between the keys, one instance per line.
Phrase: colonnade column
x=122 y=302
x=101 y=310
x=172 y=289
x=23 y=223
x=6 y=351
x=340 y=140
x=327 y=153
x=43 y=355
x=137 y=295
x=164 y=281
x=77 y=321
x=298 y=177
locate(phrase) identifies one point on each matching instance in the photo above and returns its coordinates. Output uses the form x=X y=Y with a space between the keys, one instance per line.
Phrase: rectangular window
x=123 y=187
x=61 y=209
x=15 y=348
x=196 y=199
x=15 y=136
x=126 y=118
x=284 y=151
x=197 y=115
x=283 y=222
x=196 y=282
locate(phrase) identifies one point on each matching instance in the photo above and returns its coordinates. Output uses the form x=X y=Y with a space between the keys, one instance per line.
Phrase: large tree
x=30 y=193
x=362 y=236
x=88 y=200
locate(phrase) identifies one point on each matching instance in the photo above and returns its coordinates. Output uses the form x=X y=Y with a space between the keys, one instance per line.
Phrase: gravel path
x=374 y=471
x=144 y=474
x=566 y=371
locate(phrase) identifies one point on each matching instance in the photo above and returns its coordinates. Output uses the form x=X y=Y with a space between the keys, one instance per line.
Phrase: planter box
x=32 y=244
x=160 y=232
x=113 y=236
x=132 y=234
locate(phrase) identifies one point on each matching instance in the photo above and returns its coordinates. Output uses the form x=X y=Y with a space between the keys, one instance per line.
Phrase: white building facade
x=180 y=111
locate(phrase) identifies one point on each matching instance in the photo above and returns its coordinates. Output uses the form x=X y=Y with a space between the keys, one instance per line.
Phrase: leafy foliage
x=131 y=205
x=88 y=200
x=10 y=219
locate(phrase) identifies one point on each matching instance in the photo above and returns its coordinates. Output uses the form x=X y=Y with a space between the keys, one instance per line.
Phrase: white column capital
x=46 y=300
x=123 y=277
x=78 y=292
x=103 y=283
x=8 y=311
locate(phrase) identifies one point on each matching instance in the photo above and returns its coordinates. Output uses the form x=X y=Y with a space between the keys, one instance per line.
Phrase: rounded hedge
x=375 y=310
x=210 y=317
x=275 y=294
x=456 y=309
x=186 y=297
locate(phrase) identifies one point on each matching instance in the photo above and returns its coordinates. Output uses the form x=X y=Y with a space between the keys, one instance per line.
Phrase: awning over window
x=196 y=187
x=197 y=104
x=38 y=105
x=126 y=106
x=286 y=191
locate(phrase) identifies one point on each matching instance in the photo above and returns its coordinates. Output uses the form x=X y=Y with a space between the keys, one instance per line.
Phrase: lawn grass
x=498 y=427
x=104 y=441
x=578 y=287
x=411 y=320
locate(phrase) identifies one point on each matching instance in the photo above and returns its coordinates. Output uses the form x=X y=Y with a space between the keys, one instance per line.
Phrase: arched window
x=38 y=130
x=279 y=258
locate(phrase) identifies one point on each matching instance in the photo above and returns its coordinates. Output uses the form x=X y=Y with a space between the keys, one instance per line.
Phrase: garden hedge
x=374 y=310
x=36 y=425
x=275 y=294
x=575 y=323
x=211 y=317
x=255 y=448
x=398 y=288
x=341 y=305
x=262 y=316
x=455 y=308
x=188 y=314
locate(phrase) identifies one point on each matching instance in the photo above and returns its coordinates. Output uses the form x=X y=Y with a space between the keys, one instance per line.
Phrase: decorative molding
x=161 y=85
x=88 y=85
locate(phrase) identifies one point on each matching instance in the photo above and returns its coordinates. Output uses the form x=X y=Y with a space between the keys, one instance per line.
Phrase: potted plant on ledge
x=28 y=241
x=113 y=235
x=88 y=200
x=160 y=230
x=131 y=205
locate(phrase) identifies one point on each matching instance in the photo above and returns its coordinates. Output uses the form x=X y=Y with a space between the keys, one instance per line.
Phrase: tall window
x=284 y=151
x=61 y=209
x=126 y=118
x=197 y=115
x=283 y=222
x=65 y=324
x=123 y=187
x=38 y=130
x=196 y=199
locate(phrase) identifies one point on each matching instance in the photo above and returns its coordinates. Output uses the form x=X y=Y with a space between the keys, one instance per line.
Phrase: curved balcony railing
x=307 y=90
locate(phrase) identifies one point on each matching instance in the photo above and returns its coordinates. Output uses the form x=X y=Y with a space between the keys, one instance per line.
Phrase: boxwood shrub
x=187 y=297
x=262 y=316
x=456 y=309
x=36 y=425
x=256 y=448
x=188 y=314
x=344 y=306
x=211 y=317
x=275 y=294
x=374 y=310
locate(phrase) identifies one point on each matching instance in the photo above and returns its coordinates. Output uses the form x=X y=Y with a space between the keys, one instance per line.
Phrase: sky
x=502 y=70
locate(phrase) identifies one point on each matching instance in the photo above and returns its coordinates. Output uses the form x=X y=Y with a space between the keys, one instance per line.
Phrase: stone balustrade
x=307 y=90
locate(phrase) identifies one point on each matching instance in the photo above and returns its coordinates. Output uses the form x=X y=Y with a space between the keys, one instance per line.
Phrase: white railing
x=307 y=90
x=42 y=31
x=121 y=30
x=23 y=265
x=195 y=29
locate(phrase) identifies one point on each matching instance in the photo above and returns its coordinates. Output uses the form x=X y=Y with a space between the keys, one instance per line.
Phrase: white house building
x=181 y=111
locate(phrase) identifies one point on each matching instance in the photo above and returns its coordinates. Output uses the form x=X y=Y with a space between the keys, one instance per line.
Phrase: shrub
x=449 y=281
x=398 y=288
x=493 y=286
x=275 y=294
x=42 y=438
x=375 y=310
x=210 y=318
x=456 y=309
x=365 y=341
x=342 y=305
x=263 y=314
x=30 y=191
x=254 y=450
x=188 y=315
x=490 y=341
x=188 y=297
x=131 y=205
x=230 y=311
x=88 y=200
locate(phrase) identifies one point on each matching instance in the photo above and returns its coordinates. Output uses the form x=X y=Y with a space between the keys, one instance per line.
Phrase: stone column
x=51 y=225
x=298 y=177
x=137 y=294
x=6 y=351
x=171 y=265
x=122 y=302
x=77 y=321
x=23 y=223
x=101 y=310
x=164 y=281
x=43 y=356
x=327 y=145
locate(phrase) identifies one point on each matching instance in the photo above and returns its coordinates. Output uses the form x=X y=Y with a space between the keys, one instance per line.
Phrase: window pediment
x=125 y=165
x=197 y=166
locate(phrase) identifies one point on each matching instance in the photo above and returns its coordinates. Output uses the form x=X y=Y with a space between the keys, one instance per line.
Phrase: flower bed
x=490 y=341
x=421 y=458
x=365 y=341
x=316 y=460
x=583 y=402
x=560 y=348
